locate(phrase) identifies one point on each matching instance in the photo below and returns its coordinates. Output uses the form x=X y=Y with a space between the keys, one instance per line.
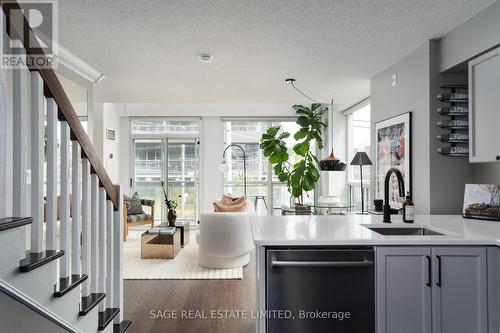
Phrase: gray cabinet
x=403 y=289
x=439 y=289
x=484 y=107
x=459 y=291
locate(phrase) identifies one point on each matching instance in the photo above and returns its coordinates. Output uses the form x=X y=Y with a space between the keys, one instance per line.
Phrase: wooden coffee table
x=160 y=245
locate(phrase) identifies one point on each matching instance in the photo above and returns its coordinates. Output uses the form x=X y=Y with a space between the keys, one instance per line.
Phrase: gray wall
x=477 y=35
x=448 y=175
x=410 y=94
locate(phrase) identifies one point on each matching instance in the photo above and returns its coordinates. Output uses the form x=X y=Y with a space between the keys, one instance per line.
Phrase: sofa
x=225 y=239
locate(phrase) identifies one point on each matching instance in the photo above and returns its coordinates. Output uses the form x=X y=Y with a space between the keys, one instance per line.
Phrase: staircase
x=70 y=279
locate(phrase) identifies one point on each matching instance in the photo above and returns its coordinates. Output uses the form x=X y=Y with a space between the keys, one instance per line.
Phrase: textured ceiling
x=148 y=49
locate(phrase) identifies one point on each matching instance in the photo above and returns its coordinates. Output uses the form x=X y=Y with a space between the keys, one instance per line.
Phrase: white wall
x=477 y=35
x=106 y=116
x=410 y=94
x=111 y=149
x=208 y=109
x=212 y=147
x=123 y=157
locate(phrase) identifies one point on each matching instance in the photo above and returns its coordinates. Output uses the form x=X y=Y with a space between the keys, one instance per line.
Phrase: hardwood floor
x=147 y=301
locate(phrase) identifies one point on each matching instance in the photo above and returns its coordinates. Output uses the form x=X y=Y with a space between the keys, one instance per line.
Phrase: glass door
x=149 y=172
x=174 y=164
x=182 y=174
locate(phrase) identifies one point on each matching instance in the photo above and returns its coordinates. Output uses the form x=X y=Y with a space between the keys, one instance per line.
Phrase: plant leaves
x=273 y=130
x=284 y=135
x=308 y=183
x=302 y=133
x=301 y=148
x=282 y=177
x=303 y=121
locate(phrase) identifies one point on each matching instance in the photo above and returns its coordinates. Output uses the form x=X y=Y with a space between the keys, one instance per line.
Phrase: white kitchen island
x=438 y=283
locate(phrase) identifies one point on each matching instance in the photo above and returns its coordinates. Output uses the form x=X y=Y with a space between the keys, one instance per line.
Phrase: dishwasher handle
x=278 y=263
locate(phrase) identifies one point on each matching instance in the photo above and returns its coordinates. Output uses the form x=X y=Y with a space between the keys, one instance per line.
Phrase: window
x=263 y=188
x=164 y=126
x=359 y=139
x=166 y=155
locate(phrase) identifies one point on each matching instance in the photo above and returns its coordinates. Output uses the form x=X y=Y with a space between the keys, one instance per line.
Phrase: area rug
x=183 y=267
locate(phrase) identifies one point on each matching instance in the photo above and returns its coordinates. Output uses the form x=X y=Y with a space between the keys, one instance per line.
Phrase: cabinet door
x=403 y=290
x=459 y=292
x=484 y=107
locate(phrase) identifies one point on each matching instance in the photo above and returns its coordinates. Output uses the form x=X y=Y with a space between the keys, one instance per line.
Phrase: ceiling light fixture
x=206 y=58
x=331 y=163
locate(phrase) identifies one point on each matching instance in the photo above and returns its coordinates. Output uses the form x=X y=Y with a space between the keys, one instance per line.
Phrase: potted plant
x=301 y=174
x=171 y=205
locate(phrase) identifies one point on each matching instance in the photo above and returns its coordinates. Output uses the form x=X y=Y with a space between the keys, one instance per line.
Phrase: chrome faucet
x=401 y=185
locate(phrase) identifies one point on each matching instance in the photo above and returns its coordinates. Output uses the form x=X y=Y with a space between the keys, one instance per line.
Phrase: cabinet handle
x=429 y=270
x=438 y=283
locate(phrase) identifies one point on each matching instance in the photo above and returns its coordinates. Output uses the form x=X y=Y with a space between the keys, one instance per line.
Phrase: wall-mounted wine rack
x=456 y=138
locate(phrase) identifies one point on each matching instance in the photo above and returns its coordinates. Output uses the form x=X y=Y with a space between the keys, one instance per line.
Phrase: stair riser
x=9 y=248
x=39 y=284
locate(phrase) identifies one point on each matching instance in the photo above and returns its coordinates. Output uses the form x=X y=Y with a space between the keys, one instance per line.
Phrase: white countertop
x=349 y=230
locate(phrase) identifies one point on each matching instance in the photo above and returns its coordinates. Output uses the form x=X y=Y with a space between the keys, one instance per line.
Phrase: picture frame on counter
x=482 y=202
x=393 y=150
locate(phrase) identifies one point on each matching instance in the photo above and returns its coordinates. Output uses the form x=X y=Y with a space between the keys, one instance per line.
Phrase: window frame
x=270 y=183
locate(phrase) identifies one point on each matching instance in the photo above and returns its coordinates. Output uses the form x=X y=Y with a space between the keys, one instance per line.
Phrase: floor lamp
x=361 y=158
x=223 y=167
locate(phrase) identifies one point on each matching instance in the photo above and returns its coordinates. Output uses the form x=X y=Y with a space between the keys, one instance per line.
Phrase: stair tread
x=122 y=327
x=35 y=260
x=89 y=302
x=69 y=283
x=106 y=316
x=14 y=222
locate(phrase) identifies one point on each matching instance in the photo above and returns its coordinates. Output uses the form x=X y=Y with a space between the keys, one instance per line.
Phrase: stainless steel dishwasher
x=320 y=290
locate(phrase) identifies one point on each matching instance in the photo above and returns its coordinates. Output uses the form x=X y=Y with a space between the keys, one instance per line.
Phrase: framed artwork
x=393 y=150
x=482 y=201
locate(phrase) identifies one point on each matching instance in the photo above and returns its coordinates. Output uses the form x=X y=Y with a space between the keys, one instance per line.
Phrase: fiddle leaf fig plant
x=301 y=174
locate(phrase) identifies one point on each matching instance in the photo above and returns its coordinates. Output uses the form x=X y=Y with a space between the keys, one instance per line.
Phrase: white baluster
x=19 y=146
x=37 y=140
x=3 y=151
x=65 y=211
x=51 y=198
x=109 y=257
x=94 y=242
x=102 y=245
x=75 y=207
x=86 y=226
x=118 y=257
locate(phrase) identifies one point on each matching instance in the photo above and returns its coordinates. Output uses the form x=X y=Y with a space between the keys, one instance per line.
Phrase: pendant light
x=331 y=163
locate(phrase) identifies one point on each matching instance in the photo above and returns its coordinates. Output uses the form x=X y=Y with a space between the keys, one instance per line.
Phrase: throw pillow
x=239 y=200
x=126 y=198
x=135 y=206
x=220 y=207
x=228 y=199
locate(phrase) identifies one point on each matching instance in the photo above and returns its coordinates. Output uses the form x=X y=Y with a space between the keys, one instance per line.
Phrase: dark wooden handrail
x=54 y=89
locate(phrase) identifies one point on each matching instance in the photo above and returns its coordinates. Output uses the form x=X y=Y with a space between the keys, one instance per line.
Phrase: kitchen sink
x=404 y=231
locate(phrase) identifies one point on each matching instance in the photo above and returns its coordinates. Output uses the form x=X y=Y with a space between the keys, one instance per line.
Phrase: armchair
x=130 y=220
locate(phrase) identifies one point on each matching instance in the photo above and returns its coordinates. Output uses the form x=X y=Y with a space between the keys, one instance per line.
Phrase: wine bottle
x=408 y=210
